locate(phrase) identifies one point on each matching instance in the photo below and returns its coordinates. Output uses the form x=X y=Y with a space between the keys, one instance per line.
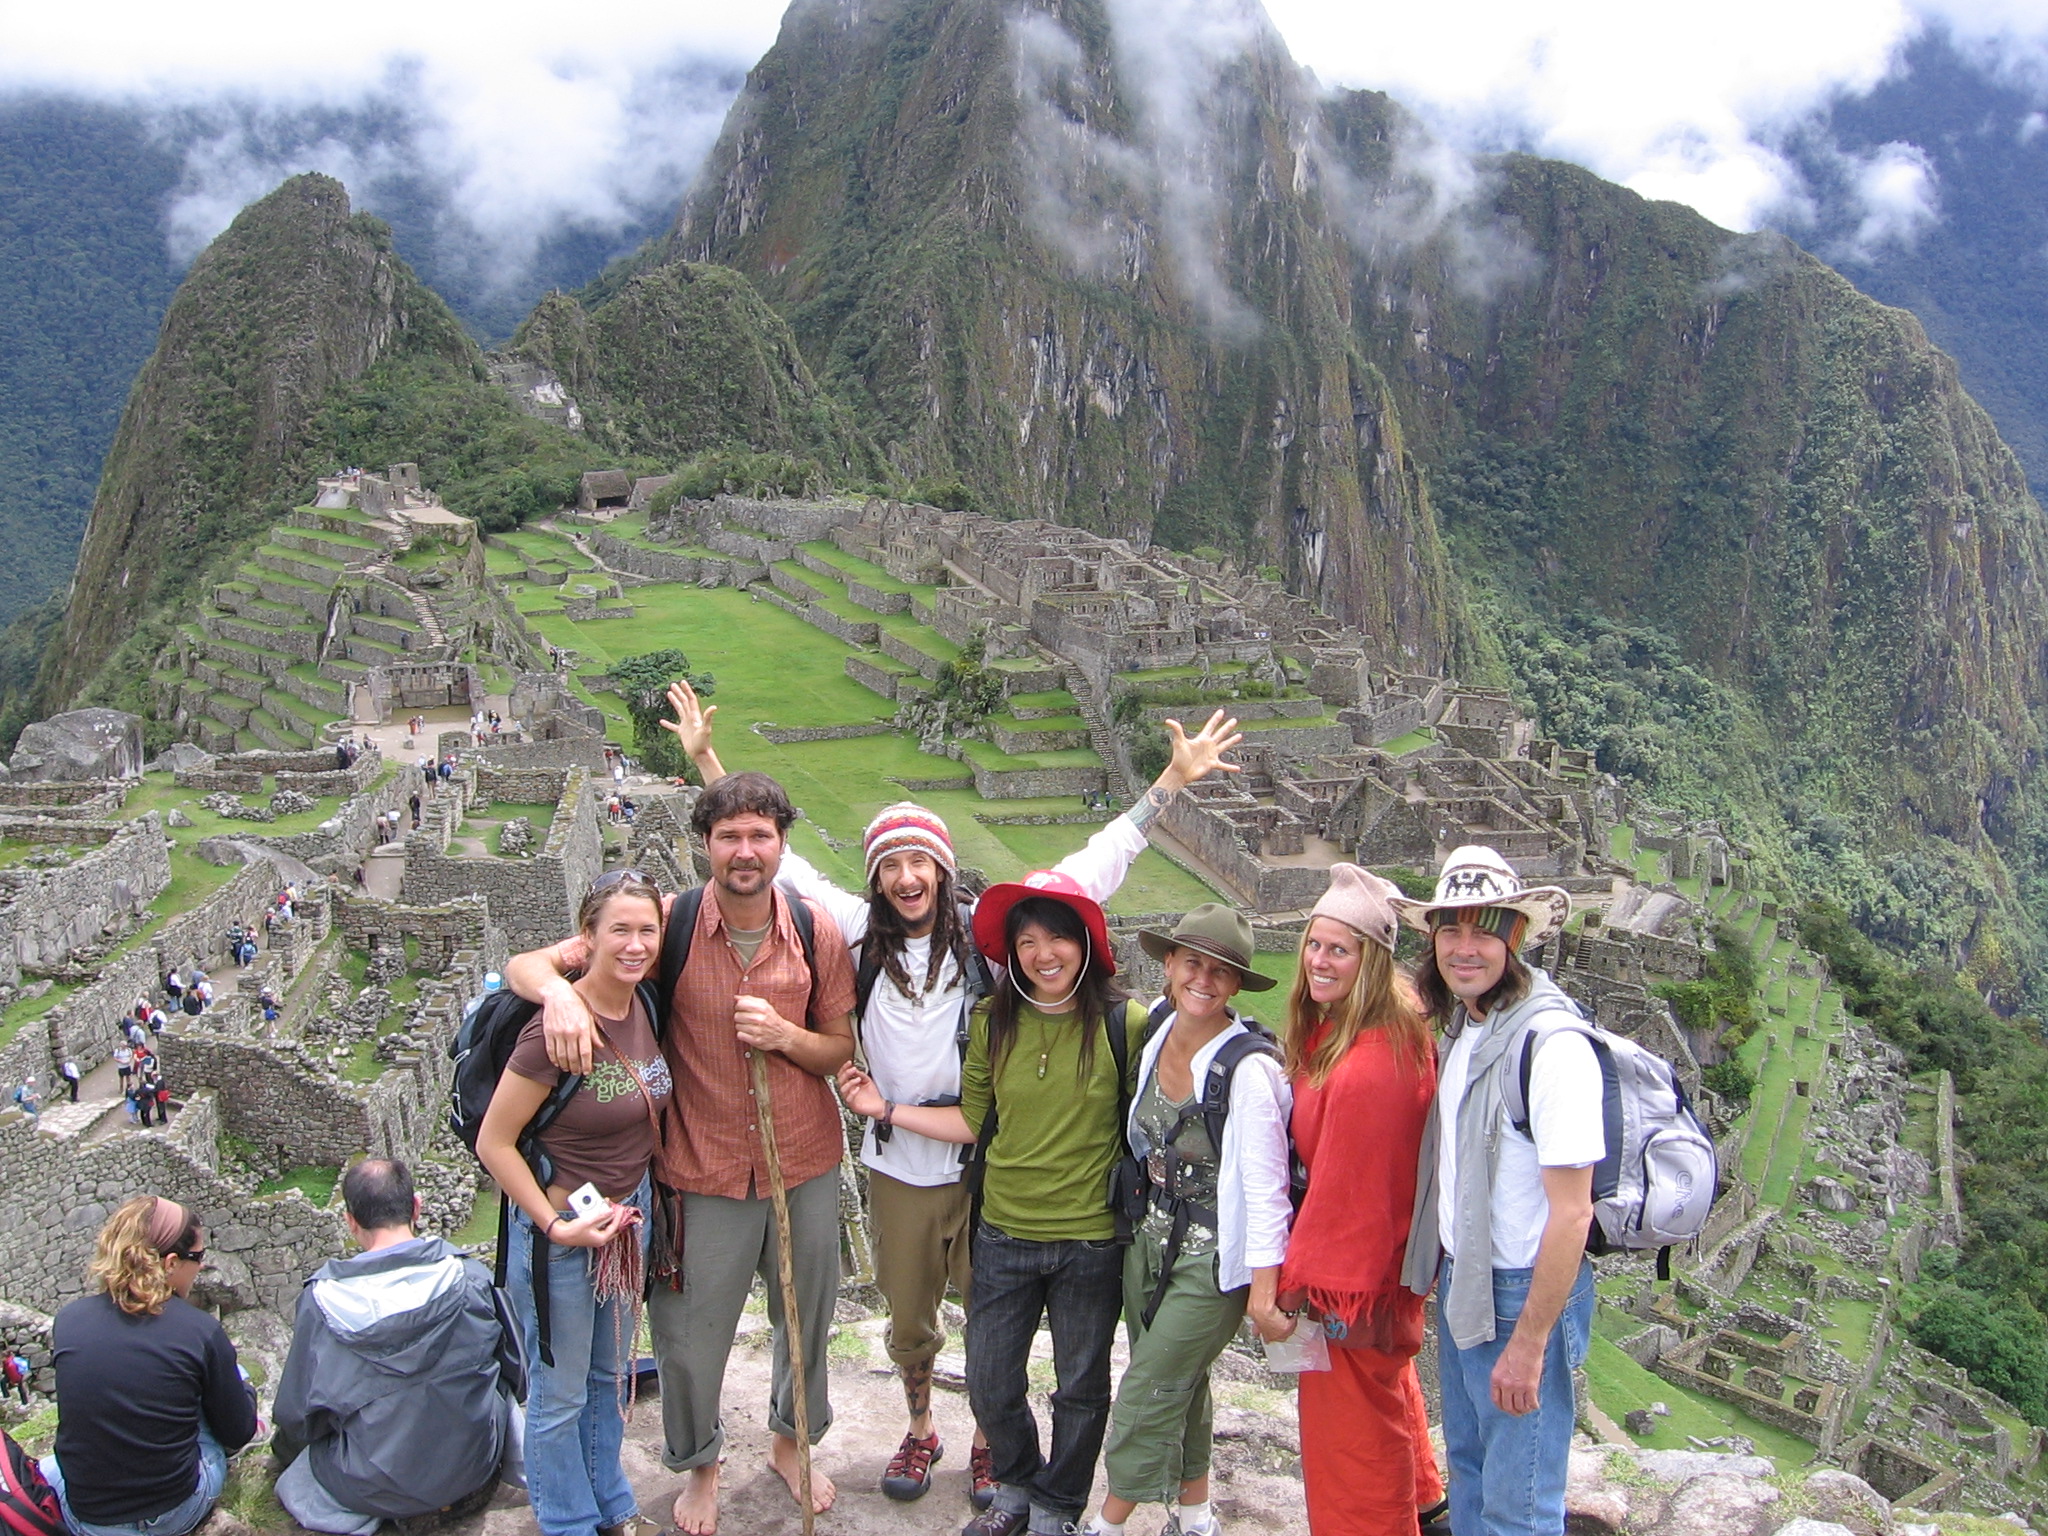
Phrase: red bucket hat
x=992 y=914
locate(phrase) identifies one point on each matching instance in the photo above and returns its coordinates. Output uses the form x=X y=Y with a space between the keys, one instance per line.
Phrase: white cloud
x=1895 y=196
x=527 y=117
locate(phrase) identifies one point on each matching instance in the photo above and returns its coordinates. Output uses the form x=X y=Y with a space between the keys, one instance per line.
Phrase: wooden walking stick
x=785 y=1274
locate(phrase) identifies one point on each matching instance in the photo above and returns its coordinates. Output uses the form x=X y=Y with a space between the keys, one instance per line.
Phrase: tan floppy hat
x=1475 y=876
x=1212 y=929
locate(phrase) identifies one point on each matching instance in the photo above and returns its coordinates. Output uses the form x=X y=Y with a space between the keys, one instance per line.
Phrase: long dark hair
x=1097 y=994
x=888 y=933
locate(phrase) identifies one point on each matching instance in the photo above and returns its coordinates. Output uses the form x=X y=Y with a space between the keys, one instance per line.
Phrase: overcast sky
x=533 y=114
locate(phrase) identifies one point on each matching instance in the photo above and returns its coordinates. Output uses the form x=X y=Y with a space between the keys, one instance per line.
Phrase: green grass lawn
x=1414 y=741
x=1618 y=1385
x=315 y=1183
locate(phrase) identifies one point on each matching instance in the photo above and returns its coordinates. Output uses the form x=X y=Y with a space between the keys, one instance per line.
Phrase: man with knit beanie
x=918 y=960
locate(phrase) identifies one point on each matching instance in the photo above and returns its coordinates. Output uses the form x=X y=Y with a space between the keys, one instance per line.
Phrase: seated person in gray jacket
x=402 y=1374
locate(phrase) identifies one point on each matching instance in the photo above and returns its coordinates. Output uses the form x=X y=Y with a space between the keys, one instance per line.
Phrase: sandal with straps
x=910 y=1470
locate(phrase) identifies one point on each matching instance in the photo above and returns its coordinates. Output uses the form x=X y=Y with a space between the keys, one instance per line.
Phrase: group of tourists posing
x=1057 y=1153
x=1005 y=1077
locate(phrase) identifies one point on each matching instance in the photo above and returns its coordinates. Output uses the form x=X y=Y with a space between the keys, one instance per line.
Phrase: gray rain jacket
x=403 y=1368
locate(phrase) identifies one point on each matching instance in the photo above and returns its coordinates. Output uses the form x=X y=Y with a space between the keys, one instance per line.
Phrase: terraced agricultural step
x=316 y=569
x=276 y=734
x=339 y=669
x=241 y=683
x=371 y=653
x=212 y=735
x=295 y=713
x=350 y=549
x=301 y=642
x=312 y=687
x=224 y=707
x=404 y=635
x=232 y=653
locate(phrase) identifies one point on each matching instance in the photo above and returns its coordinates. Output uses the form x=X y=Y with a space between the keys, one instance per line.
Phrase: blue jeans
x=575 y=1409
x=1508 y=1472
x=1077 y=1288
x=213 y=1475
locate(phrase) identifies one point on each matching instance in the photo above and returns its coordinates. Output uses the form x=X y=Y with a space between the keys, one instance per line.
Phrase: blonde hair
x=128 y=1259
x=1378 y=999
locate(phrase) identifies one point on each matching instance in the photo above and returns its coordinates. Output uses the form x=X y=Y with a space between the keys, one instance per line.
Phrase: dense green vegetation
x=1986 y=1312
x=84 y=278
x=643 y=682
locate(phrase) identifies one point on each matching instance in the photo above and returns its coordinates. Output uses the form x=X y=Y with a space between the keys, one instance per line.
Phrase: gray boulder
x=180 y=757
x=79 y=745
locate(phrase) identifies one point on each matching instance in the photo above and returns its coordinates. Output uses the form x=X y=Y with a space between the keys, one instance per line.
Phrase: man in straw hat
x=920 y=975
x=1509 y=1204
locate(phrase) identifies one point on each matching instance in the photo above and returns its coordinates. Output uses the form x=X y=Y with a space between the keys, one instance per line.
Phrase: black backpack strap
x=865 y=973
x=675 y=941
x=807 y=934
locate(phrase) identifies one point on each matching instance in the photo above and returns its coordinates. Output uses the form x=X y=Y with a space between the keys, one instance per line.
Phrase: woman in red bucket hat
x=1044 y=1090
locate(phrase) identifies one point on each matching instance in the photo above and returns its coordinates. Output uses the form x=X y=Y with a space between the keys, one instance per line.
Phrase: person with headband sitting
x=150 y=1398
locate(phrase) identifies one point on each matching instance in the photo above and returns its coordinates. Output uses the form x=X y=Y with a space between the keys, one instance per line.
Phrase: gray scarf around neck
x=1467 y=1309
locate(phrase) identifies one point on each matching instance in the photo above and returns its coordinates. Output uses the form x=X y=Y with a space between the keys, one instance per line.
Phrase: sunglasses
x=612 y=877
x=190 y=1256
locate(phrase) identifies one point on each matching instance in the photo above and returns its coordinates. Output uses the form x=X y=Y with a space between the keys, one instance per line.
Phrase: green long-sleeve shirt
x=1049 y=1162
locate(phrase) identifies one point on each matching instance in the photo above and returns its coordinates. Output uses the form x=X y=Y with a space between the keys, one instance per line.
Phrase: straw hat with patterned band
x=992 y=914
x=1212 y=929
x=1479 y=877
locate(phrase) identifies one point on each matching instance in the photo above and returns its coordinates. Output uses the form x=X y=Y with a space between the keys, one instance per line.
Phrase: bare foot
x=783 y=1458
x=696 y=1511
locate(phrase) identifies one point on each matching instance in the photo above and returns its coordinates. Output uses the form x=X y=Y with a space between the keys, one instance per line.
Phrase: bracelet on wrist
x=549 y=1229
x=889 y=1113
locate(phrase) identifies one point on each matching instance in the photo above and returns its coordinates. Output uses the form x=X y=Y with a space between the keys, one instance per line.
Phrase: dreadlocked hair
x=1093 y=999
x=889 y=934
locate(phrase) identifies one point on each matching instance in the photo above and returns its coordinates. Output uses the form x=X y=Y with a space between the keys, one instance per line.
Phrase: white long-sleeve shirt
x=911 y=1046
x=1252 y=1208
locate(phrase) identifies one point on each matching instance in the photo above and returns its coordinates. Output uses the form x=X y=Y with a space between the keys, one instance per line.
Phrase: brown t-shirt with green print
x=604 y=1135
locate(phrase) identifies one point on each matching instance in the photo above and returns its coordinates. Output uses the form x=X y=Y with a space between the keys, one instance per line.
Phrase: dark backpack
x=1212 y=1107
x=28 y=1504
x=974 y=986
x=680 y=930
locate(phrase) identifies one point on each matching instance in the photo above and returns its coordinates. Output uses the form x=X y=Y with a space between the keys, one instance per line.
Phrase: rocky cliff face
x=998 y=248
x=1144 y=278
x=297 y=296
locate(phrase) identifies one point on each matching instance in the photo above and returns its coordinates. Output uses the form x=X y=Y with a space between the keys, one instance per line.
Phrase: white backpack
x=1656 y=1184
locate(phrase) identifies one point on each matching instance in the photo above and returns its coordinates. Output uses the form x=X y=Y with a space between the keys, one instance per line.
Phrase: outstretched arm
x=542 y=976
x=1100 y=867
x=692 y=728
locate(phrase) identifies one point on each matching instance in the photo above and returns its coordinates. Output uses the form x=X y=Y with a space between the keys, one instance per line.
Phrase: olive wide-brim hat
x=1212 y=929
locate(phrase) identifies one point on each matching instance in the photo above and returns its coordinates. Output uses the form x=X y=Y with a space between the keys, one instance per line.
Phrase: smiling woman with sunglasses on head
x=150 y=1399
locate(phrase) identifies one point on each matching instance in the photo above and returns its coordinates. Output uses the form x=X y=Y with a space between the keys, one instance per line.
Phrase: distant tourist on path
x=1508 y=1204
x=150 y=1398
x=124 y=1060
x=397 y=1396
x=913 y=934
x=28 y=1101
x=69 y=1072
x=1364 y=1074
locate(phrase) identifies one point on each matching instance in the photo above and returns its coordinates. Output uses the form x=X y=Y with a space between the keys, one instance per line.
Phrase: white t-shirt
x=1568 y=1131
x=912 y=1049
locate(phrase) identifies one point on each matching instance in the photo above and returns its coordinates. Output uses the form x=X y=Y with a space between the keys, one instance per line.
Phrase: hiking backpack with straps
x=28 y=1504
x=1212 y=1107
x=1656 y=1184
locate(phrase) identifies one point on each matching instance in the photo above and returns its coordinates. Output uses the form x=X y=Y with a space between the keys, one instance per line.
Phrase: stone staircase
x=1100 y=736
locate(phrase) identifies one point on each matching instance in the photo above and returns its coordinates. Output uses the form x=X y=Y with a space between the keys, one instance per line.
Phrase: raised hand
x=1200 y=754
x=692 y=723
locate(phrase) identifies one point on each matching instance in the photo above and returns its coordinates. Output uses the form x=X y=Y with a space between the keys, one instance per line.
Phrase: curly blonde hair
x=1379 y=999
x=128 y=1260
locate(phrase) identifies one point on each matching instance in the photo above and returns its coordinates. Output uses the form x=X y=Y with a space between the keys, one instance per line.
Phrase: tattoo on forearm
x=917 y=1388
x=1149 y=805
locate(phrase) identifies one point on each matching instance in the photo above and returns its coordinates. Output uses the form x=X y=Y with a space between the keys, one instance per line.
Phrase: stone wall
x=871 y=677
x=345 y=839
x=1036 y=783
x=585 y=752
x=927 y=667
x=781 y=734
x=57 y=1191
x=532 y=900
x=47 y=913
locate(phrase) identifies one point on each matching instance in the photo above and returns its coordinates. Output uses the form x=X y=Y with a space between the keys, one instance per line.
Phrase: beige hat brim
x=1160 y=945
x=1547 y=907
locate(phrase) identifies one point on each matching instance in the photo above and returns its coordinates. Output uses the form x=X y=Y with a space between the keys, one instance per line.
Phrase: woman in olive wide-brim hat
x=1215 y=1229
x=1359 y=1054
